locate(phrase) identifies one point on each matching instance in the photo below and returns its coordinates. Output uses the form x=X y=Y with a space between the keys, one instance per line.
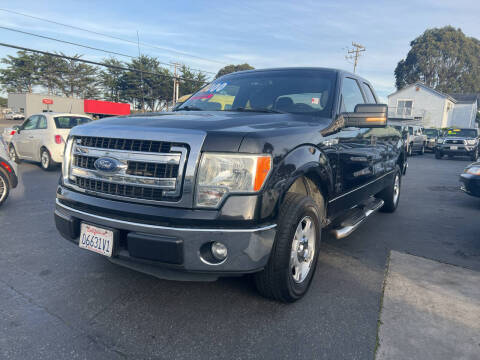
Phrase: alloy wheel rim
x=396 y=189
x=45 y=160
x=3 y=189
x=303 y=249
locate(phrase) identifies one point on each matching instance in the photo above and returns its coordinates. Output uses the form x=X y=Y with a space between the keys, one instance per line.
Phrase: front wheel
x=410 y=150
x=422 y=150
x=4 y=188
x=46 y=160
x=13 y=154
x=294 y=255
x=438 y=155
x=391 y=194
x=474 y=156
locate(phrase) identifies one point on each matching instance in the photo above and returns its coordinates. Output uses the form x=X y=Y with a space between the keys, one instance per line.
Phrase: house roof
x=420 y=84
x=466 y=98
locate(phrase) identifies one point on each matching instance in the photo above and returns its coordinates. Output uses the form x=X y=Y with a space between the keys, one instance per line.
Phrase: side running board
x=355 y=217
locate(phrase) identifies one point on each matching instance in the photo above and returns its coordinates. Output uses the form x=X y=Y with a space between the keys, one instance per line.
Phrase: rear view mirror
x=367 y=116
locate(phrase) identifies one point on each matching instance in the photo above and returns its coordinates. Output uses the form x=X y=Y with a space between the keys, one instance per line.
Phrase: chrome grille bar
x=142 y=176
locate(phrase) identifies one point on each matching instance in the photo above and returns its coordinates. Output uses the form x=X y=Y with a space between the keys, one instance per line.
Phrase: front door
x=24 y=138
x=359 y=158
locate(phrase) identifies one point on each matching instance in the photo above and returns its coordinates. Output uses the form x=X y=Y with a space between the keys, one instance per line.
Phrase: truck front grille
x=453 y=141
x=128 y=191
x=126 y=144
x=144 y=169
x=135 y=168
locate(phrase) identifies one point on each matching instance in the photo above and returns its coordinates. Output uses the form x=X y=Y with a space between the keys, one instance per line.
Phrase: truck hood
x=221 y=130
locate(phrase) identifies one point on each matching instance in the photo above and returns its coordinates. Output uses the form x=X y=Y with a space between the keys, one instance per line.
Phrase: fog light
x=219 y=251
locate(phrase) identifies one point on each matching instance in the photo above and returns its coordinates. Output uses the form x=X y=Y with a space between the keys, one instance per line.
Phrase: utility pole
x=354 y=54
x=176 y=84
x=141 y=72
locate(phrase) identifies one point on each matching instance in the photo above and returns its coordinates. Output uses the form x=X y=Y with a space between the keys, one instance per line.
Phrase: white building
x=425 y=106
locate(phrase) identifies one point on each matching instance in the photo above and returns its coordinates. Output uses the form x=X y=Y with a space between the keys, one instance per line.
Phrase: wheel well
x=309 y=185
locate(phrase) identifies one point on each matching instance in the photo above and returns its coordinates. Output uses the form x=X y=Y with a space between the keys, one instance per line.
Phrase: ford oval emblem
x=106 y=164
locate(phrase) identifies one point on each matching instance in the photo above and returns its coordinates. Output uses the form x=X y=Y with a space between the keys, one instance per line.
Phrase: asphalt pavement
x=60 y=302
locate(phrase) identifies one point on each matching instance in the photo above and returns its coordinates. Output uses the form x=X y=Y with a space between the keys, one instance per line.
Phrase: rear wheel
x=46 y=160
x=4 y=188
x=294 y=255
x=410 y=150
x=391 y=194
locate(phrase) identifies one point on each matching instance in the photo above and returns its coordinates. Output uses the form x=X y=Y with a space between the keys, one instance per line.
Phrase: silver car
x=42 y=137
x=8 y=173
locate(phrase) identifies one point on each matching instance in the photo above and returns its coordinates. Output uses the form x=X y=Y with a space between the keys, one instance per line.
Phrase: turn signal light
x=12 y=132
x=264 y=164
x=58 y=139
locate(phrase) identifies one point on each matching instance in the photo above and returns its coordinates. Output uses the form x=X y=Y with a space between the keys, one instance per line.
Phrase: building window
x=404 y=107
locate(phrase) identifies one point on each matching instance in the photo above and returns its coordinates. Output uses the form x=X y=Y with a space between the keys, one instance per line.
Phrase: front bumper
x=470 y=184
x=461 y=150
x=174 y=252
x=431 y=144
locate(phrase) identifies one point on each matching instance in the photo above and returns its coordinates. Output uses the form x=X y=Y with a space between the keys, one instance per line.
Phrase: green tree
x=78 y=79
x=444 y=59
x=233 y=68
x=49 y=72
x=191 y=82
x=148 y=86
x=20 y=73
x=111 y=79
x=3 y=102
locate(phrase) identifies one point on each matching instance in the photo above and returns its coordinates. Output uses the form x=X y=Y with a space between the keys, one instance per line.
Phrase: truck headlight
x=67 y=159
x=474 y=170
x=222 y=174
x=440 y=141
x=471 y=142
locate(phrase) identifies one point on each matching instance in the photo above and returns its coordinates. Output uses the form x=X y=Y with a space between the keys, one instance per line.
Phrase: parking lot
x=57 y=301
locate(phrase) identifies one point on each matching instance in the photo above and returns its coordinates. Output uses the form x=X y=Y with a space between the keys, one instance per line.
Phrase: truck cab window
x=351 y=95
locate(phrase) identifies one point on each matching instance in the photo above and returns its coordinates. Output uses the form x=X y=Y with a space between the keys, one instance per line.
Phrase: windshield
x=289 y=91
x=468 y=133
x=68 y=122
x=431 y=132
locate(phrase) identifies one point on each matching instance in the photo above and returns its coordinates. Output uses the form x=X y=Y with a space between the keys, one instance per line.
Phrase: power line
x=113 y=37
x=83 y=46
x=97 y=63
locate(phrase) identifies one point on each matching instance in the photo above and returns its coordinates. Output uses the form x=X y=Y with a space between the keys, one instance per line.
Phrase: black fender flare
x=306 y=161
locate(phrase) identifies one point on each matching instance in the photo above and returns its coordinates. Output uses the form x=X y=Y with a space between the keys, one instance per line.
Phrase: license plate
x=453 y=147
x=96 y=239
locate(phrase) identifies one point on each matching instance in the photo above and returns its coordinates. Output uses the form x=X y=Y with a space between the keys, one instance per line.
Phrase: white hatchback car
x=42 y=137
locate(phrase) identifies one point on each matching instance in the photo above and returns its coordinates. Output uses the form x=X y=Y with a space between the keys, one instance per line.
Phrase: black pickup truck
x=243 y=178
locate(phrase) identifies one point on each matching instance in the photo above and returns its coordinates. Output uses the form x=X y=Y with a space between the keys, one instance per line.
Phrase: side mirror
x=367 y=116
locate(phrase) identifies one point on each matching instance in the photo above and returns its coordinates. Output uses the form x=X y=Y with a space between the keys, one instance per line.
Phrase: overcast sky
x=209 y=34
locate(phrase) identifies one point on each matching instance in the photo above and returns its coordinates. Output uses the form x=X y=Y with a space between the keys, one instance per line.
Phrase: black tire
x=46 y=161
x=422 y=150
x=474 y=156
x=391 y=194
x=410 y=150
x=276 y=281
x=4 y=188
x=13 y=154
x=438 y=155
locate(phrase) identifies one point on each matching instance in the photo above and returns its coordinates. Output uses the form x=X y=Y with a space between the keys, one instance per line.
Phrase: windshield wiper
x=257 y=110
x=189 y=108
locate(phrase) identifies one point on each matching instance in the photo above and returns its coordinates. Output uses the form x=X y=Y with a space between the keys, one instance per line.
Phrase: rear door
x=39 y=135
